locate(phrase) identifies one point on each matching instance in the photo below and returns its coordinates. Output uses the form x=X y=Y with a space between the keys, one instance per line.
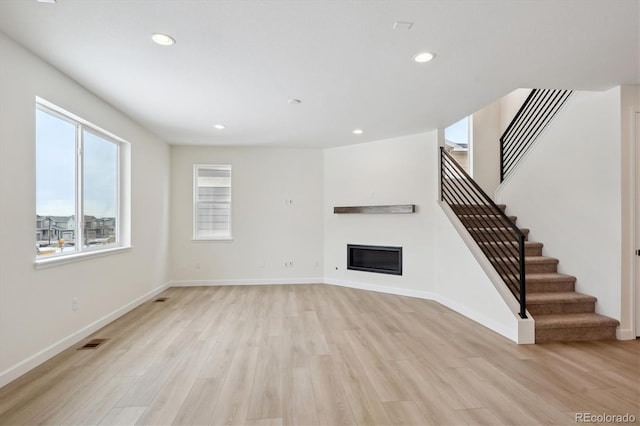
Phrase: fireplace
x=381 y=259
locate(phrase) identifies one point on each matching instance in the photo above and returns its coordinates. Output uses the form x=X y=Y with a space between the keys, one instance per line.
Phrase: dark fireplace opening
x=381 y=259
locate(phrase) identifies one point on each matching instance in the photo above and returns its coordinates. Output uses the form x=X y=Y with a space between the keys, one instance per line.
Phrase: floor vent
x=92 y=344
x=160 y=299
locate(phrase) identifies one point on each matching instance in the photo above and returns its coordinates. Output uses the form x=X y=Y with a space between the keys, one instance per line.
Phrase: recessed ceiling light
x=219 y=126
x=163 y=39
x=358 y=132
x=423 y=57
x=47 y=1
x=294 y=101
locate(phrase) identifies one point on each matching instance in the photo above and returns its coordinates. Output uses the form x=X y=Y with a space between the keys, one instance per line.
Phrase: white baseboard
x=625 y=334
x=33 y=361
x=248 y=281
x=511 y=334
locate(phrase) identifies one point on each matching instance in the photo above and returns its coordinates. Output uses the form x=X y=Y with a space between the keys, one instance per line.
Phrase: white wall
x=266 y=231
x=462 y=284
x=36 y=319
x=395 y=171
x=485 y=145
x=567 y=190
x=488 y=124
x=436 y=263
x=509 y=106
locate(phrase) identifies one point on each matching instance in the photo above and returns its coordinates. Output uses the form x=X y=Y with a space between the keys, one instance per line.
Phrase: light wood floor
x=318 y=355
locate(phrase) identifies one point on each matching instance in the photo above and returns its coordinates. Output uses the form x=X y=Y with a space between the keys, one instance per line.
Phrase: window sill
x=212 y=240
x=78 y=257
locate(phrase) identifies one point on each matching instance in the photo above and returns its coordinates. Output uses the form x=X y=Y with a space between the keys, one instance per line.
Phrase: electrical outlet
x=74 y=303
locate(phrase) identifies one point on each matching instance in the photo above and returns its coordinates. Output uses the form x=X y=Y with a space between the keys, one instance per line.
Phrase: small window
x=211 y=202
x=77 y=185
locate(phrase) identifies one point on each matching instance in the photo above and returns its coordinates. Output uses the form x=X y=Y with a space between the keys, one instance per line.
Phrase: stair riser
x=475 y=209
x=551 y=286
x=486 y=221
x=561 y=308
x=499 y=250
x=532 y=251
x=492 y=236
x=540 y=268
x=575 y=334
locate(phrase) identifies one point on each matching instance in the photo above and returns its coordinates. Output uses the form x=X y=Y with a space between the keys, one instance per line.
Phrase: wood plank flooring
x=318 y=355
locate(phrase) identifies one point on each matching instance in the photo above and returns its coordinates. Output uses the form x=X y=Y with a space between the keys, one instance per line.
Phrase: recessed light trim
x=358 y=131
x=423 y=57
x=163 y=39
x=294 y=101
x=219 y=126
x=402 y=25
x=48 y=1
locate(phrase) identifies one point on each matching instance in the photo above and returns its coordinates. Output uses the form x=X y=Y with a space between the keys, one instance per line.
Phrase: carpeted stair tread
x=497 y=234
x=470 y=220
x=546 y=282
x=540 y=259
x=559 y=297
x=534 y=260
x=465 y=215
x=496 y=228
x=582 y=320
x=549 y=276
x=475 y=209
x=502 y=244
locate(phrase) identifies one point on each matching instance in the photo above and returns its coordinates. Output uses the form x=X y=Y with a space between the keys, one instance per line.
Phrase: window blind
x=212 y=206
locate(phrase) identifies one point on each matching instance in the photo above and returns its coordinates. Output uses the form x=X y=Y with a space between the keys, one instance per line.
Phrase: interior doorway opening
x=458 y=143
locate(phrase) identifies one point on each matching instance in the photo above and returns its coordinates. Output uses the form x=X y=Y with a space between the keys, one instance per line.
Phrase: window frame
x=196 y=236
x=122 y=219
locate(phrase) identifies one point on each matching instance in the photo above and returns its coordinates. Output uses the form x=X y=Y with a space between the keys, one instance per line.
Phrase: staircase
x=560 y=313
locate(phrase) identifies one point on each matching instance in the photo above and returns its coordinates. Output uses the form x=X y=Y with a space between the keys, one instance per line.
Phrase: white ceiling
x=238 y=62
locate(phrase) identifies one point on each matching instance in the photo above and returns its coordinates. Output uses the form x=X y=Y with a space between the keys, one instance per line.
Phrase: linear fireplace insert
x=381 y=259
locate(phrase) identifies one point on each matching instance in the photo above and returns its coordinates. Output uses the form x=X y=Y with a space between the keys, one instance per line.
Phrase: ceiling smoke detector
x=402 y=25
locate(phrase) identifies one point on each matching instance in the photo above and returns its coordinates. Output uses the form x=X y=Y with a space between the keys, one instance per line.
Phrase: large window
x=77 y=185
x=211 y=202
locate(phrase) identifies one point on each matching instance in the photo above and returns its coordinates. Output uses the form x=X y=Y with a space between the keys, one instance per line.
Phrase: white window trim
x=50 y=262
x=123 y=234
x=221 y=238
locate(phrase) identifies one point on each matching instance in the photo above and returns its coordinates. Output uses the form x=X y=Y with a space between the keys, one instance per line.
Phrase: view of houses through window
x=77 y=171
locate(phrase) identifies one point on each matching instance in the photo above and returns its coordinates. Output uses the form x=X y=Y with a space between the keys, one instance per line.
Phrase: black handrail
x=534 y=115
x=496 y=235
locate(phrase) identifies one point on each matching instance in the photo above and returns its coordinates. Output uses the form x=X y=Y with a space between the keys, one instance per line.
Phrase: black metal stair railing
x=531 y=119
x=496 y=235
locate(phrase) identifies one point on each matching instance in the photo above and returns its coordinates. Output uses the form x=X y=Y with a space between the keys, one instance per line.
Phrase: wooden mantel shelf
x=390 y=209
